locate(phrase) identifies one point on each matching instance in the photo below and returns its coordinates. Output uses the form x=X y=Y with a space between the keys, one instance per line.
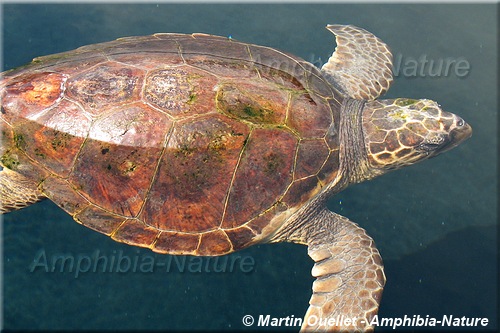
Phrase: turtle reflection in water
x=203 y=145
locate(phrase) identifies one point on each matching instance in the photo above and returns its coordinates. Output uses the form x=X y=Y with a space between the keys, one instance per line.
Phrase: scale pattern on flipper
x=349 y=278
x=16 y=191
x=361 y=64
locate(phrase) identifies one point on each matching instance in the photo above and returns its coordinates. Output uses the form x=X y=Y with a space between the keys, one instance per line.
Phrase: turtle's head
x=403 y=131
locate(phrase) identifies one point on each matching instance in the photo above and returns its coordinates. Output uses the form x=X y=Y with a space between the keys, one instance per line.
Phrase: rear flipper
x=16 y=191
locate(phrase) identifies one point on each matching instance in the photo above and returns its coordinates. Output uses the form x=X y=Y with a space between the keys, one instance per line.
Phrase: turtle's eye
x=460 y=122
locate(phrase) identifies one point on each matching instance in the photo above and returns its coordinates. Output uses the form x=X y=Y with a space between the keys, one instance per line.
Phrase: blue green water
x=435 y=223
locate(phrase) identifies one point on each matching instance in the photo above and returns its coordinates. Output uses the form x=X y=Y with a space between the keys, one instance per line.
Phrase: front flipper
x=361 y=66
x=349 y=276
x=348 y=270
x=16 y=191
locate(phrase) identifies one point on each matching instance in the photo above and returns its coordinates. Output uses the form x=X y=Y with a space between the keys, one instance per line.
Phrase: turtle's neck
x=353 y=157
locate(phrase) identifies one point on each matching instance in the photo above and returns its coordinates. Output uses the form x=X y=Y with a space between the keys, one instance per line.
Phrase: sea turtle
x=203 y=145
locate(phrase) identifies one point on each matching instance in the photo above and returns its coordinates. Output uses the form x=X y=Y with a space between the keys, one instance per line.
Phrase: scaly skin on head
x=402 y=131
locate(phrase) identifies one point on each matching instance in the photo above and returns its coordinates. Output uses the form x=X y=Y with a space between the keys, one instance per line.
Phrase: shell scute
x=31 y=93
x=254 y=102
x=135 y=232
x=221 y=67
x=330 y=169
x=105 y=85
x=219 y=47
x=198 y=162
x=99 y=220
x=115 y=177
x=308 y=118
x=318 y=84
x=53 y=149
x=60 y=191
x=135 y=125
x=68 y=64
x=180 y=91
x=277 y=213
x=263 y=175
x=240 y=237
x=67 y=117
x=176 y=243
x=311 y=156
x=214 y=242
x=147 y=44
x=301 y=190
x=153 y=61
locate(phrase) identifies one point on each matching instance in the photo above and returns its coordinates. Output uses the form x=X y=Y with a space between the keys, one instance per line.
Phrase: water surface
x=435 y=223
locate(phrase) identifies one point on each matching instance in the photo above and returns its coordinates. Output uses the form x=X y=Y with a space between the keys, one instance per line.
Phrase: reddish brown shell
x=187 y=144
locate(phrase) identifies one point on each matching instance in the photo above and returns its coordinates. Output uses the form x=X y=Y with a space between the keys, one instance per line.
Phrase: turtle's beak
x=459 y=134
x=462 y=133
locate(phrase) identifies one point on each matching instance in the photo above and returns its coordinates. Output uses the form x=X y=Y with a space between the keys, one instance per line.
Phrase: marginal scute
x=240 y=237
x=176 y=243
x=286 y=69
x=317 y=83
x=258 y=224
x=59 y=191
x=223 y=68
x=302 y=190
x=135 y=232
x=148 y=44
x=330 y=169
x=99 y=220
x=332 y=137
x=152 y=62
x=206 y=45
x=71 y=64
x=215 y=242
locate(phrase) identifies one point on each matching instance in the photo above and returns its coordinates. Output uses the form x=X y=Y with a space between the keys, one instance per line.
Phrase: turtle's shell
x=187 y=144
